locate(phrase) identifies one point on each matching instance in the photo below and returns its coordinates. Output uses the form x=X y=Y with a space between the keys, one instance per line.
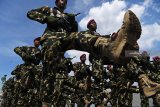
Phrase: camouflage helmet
x=88 y=24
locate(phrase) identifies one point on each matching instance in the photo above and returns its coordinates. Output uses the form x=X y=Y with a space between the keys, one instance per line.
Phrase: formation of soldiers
x=43 y=81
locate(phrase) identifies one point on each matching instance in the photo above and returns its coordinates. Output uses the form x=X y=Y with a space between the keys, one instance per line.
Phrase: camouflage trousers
x=144 y=100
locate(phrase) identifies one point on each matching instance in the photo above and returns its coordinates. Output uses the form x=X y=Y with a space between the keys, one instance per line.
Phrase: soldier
x=59 y=25
x=92 y=27
x=155 y=75
x=127 y=37
x=25 y=73
x=8 y=93
x=30 y=54
x=55 y=18
x=82 y=75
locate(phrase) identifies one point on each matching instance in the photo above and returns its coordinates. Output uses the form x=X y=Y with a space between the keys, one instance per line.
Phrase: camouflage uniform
x=101 y=45
x=8 y=93
x=59 y=25
x=155 y=73
x=29 y=54
x=81 y=73
x=25 y=74
x=52 y=45
x=99 y=85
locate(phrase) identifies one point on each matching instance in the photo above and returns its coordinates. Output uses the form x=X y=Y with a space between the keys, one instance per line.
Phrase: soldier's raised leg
x=127 y=36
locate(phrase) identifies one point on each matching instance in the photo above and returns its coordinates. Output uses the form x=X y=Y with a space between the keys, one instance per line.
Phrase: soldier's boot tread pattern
x=129 y=33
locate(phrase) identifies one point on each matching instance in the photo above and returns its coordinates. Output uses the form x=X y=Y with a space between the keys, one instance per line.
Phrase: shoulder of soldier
x=84 y=32
x=21 y=48
x=19 y=66
x=44 y=8
x=77 y=63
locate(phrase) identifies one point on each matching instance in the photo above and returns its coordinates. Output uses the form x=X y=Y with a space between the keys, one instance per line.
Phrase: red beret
x=83 y=55
x=114 y=36
x=92 y=20
x=157 y=58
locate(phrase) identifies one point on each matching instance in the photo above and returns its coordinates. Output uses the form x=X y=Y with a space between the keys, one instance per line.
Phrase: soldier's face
x=61 y=4
x=83 y=59
x=93 y=26
x=36 y=43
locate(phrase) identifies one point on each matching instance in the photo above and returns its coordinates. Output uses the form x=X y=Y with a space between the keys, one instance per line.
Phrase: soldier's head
x=145 y=55
x=83 y=58
x=61 y=4
x=109 y=68
x=37 y=41
x=92 y=25
x=136 y=46
x=156 y=59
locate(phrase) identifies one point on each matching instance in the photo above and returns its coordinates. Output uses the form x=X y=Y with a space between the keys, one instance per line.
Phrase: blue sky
x=17 y=30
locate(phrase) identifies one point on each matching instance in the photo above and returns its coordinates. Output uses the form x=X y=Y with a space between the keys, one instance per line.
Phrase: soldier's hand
x=81 y=86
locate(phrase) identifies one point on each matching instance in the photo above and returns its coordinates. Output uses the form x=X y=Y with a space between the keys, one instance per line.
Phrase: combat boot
x=149 y=87
x=128 y=34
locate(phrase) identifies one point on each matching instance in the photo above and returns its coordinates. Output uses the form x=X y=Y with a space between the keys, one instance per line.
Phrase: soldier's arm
x=73 y=22
x=20 y=50
x=16 y=69
x=75 y=68
x=39 y=14
x=24 y=52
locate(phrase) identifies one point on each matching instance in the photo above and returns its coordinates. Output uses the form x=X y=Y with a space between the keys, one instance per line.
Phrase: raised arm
x=39 y=14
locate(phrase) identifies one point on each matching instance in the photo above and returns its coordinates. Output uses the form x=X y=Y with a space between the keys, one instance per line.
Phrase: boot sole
x=128 y=34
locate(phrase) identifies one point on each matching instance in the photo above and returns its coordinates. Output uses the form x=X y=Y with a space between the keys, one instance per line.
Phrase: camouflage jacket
x=29 y=54
x=27 y=73
x=91 y=32
x=56 y=21
x=80 y=70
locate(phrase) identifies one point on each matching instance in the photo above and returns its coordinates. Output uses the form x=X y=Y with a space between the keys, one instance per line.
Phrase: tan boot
x=129 y=33
x=45 y=104
x=149 y=87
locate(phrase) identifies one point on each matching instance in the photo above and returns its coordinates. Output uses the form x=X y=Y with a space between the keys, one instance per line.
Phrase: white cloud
x=149 y=35
x=108 y=16
x=138 y=9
